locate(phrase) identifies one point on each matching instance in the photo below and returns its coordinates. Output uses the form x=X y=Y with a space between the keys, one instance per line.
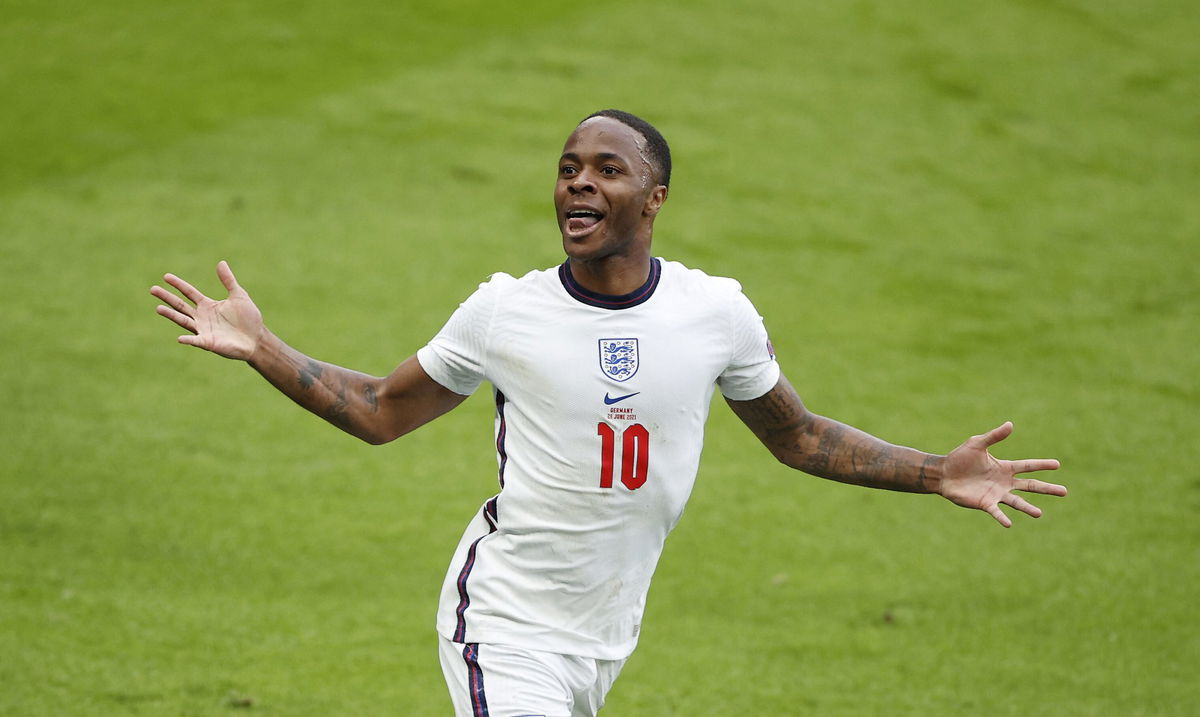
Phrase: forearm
x=347 y=399
x=828 y=449
x=371 y=408
x=969 y=476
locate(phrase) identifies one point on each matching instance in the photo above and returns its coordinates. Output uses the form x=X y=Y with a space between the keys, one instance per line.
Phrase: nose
x=581 y=183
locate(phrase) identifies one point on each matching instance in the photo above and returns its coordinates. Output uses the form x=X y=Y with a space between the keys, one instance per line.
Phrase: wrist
x=265 y=345
x=932 y=473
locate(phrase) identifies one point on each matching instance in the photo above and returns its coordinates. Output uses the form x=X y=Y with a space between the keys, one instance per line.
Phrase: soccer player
x=602 y=369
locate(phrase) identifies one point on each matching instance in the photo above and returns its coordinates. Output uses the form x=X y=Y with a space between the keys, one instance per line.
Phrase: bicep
x=409 y=398
x=777 y=417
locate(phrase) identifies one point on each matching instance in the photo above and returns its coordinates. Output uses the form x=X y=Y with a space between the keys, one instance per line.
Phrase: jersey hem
x=543 y=643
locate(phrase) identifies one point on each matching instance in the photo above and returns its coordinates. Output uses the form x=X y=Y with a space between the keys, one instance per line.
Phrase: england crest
x=619 y=358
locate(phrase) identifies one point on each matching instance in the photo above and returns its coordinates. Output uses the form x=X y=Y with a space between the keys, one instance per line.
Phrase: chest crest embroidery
x=619 y=358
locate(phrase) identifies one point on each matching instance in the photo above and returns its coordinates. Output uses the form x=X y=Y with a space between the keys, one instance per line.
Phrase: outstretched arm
x=375 y=409
x=968 y=476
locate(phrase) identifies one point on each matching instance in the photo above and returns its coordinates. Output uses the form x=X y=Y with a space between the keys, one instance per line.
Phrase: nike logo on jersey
x=610 y=401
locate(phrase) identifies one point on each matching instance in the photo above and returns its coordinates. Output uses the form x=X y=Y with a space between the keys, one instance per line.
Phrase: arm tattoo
x=338 y=412
x=333 y=393
x=828 y=449
x=849 y=455
x=309 y=373
x=818 y=462
x=923 y=476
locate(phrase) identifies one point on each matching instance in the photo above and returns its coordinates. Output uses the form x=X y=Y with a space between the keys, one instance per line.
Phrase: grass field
x=950 y=214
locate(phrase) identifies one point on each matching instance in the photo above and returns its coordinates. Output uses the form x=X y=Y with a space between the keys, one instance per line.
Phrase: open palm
x=230 y=327
x=973 y=478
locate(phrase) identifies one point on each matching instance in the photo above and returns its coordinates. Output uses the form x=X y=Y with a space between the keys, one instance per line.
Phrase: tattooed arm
x=828 y=449
x=374 y=409
x=968 y=476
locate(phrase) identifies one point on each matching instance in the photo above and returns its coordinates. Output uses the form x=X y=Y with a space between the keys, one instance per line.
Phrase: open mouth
x=581 y=222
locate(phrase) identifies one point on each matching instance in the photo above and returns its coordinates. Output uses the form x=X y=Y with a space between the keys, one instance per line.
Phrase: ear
x=654 y=202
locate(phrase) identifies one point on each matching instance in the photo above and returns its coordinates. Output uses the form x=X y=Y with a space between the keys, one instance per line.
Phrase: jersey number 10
x=635 y=454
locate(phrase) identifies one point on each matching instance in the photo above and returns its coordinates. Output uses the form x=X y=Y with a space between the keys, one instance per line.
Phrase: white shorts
x=500 y=681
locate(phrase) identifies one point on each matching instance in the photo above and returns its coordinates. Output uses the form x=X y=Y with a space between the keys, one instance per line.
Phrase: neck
x=612 y=275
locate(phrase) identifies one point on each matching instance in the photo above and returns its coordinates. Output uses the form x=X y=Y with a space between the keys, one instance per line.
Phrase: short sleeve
x=455 y=356
x=752 y=369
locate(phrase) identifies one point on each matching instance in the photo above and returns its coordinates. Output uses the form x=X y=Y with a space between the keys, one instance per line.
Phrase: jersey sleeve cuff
x=439 y=370
x=746 y=386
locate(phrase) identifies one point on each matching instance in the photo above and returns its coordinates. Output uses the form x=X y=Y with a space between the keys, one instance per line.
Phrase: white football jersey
x=600 y=410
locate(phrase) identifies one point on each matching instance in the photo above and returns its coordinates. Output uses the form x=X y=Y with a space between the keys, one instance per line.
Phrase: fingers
x=183 y=320
x=1022 y=505
x=994 y=436
x=191 y=292
x=994 y=511
x=1017 y=502
x=172 y=301
x=225 y=274
x=1029 y=485
x=1013 y=501
x=1030 y=465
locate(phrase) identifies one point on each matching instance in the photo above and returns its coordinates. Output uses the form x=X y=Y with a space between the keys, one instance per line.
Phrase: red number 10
x=635 y=454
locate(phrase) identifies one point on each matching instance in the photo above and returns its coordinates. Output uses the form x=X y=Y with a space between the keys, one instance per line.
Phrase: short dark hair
x=660 y=153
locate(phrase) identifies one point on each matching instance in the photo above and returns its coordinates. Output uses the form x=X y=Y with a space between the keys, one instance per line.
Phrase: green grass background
x=950 y=214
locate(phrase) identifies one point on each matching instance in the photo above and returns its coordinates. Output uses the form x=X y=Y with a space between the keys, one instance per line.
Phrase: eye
x=609 y=170
x=567 y=170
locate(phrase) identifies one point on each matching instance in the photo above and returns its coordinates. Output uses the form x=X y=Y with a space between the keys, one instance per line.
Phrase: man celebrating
x=603 y=369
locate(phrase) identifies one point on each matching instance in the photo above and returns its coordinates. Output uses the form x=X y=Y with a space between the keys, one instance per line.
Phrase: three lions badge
x=619 y=358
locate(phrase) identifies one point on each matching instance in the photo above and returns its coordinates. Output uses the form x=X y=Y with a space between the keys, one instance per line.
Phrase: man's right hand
x=231 y=328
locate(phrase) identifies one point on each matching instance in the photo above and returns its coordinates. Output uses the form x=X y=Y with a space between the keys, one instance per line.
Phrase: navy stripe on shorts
x=479 y=706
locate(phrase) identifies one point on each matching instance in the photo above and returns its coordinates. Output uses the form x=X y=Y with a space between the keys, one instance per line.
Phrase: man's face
x=606 y=197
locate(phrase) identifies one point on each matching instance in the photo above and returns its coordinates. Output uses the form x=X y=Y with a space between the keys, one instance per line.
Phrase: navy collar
x=605 y=301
